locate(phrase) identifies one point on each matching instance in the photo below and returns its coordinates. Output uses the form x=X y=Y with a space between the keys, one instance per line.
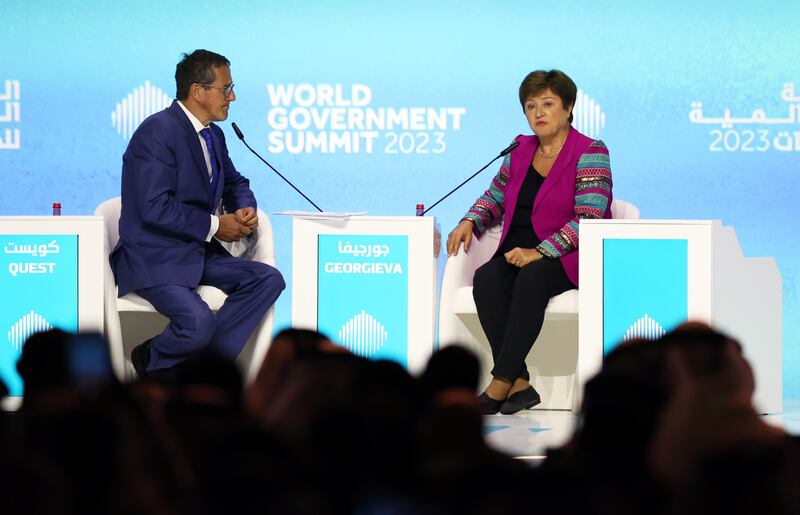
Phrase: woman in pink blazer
x=544 y=187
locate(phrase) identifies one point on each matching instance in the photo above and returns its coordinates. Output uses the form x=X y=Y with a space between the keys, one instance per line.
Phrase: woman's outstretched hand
x=462 y=232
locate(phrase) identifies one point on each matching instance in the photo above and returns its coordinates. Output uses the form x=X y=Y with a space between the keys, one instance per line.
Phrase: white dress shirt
x=198 y=126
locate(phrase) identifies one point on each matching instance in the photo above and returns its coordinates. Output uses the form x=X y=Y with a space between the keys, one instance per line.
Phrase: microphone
x=238 y=131
x=240 y=135
x=514 y=144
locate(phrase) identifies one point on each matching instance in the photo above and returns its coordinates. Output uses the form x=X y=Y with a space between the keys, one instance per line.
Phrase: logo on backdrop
x=756 y=133
x=23 y=328
x=587 y=117
x=10 y=138
x=136 y=106
x=646 y=327
x=334 y=118
x=363 y=335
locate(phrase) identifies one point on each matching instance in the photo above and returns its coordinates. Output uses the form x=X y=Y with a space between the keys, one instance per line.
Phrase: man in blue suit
x=175 y=175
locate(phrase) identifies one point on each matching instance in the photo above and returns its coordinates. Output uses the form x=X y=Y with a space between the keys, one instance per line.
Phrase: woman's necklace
x=549 y=156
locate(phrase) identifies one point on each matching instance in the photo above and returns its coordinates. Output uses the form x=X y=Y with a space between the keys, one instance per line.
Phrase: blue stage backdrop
x=376 y=107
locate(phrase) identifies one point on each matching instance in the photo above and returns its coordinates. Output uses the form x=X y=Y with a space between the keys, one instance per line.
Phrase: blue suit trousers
x=252 y=288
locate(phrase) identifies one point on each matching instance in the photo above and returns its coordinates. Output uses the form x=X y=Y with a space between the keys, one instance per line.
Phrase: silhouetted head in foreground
x=44 y=363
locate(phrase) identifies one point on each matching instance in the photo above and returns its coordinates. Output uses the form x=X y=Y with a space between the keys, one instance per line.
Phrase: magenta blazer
x=578 y=186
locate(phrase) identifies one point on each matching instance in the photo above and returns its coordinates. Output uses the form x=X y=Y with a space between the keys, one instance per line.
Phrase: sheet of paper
x=325 y=215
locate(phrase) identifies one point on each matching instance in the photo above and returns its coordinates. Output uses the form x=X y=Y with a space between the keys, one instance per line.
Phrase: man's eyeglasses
x=226 y=90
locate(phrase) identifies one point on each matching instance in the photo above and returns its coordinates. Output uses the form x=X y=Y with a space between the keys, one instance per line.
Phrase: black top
x=521 y=233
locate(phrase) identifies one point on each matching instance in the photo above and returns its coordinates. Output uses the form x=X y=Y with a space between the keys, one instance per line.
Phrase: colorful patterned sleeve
x=592 y=193
x=488 y=209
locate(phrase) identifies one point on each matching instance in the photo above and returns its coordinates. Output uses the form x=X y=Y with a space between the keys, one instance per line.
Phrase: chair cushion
x=564 y=304
x=214 y=297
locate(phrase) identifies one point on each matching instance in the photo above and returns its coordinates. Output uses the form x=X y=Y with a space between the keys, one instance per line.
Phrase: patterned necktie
x=206 y=134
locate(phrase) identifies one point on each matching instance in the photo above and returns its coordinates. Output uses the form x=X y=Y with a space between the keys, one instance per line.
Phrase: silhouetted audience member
x=214 y=374
x=666 y=427
x=362 y=439
x=5 y=417
x=658 y=425
x=606 y=458
x=458 y=472
x=712 y=449
x=289 y=346
x=453 y=368
x=44 y=366
x=30 y=484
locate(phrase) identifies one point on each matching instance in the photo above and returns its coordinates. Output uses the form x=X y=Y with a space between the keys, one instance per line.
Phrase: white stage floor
x=529 y=434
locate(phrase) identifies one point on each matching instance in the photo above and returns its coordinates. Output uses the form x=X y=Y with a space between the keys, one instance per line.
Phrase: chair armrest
x=458 y=274
x=262 y=248
x=113 y=328
x=460 y=269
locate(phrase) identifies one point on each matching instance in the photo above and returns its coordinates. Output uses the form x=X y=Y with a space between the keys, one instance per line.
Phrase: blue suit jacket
x=167 y=200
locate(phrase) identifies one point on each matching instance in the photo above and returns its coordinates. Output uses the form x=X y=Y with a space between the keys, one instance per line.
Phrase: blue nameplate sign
x=362 y=293
x=38 y=291
x=645 y=288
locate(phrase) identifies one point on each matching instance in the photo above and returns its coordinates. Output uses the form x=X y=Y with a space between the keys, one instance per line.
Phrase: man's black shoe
x=140 y=357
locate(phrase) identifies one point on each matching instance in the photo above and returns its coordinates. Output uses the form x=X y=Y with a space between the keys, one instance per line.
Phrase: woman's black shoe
x=526 y=399
x=488 y=406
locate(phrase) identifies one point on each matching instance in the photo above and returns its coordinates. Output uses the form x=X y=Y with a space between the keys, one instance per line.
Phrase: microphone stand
x=240 y=135
x=508 y=149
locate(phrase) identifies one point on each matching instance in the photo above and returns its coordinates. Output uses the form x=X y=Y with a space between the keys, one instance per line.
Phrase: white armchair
x=553 y=360
x=130 y=320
